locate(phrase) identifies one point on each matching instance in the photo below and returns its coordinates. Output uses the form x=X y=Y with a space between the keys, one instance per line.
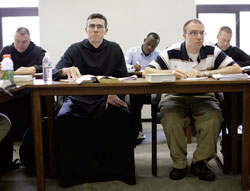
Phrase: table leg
x=245 y=139
x=38 y=139
x=234 y=131
x=50 y=113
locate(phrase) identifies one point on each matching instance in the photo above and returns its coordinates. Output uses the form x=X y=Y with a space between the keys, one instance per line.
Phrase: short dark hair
x=99 y=16
x=225 y=29
x=23 y=31
x=191 y=21
x=155 y=35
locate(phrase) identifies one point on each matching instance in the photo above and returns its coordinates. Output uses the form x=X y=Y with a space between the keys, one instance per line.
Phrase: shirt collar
x=184 y=55
x=226 y=51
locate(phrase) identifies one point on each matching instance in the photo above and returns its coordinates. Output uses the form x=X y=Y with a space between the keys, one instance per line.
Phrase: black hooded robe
x=19 y=109
x=94 y=144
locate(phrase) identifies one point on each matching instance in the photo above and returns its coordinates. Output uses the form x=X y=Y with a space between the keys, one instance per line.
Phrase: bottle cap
x=6 y=56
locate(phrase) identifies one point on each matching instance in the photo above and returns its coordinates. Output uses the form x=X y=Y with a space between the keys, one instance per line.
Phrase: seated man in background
x=239 y=56
x=26 y=56
x=138 y=58
x=27 y=59
x=192 y=58
x=95 y=134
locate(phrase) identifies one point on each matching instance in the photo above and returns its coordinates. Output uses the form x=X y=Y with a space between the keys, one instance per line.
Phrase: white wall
x=62 y=22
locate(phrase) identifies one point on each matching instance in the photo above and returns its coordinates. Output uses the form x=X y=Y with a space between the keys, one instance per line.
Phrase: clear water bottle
x=47 y=69
x=7 y=68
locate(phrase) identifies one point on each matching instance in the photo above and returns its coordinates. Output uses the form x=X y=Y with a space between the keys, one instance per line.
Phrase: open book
x=102 y=79
x=230 y=76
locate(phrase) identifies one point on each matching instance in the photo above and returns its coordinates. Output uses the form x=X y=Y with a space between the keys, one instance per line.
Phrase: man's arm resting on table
x=25 y=70
x=234 y=69
x=178 y=73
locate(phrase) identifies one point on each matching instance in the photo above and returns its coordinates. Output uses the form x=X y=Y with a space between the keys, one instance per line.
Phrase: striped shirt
x=176 y=57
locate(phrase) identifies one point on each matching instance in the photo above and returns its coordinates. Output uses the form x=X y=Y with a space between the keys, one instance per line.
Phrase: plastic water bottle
x=47 y=69
x=7 y=68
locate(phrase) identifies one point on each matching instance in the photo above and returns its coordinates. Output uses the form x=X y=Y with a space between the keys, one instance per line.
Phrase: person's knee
x=212 y=123
x=215 y=115
x=169 y=118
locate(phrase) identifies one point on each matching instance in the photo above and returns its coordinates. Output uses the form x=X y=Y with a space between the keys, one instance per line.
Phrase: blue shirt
x=135 y=54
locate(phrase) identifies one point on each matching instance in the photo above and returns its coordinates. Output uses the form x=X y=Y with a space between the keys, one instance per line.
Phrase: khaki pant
x=176 y=113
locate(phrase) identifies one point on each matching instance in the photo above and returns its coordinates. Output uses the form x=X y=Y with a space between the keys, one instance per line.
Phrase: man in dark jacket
x=95 y=134
x=27 y=59
x=239 y=56
x=26 y=56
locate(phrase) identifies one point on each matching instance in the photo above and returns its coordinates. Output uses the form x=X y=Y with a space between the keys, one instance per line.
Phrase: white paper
x=198 y=78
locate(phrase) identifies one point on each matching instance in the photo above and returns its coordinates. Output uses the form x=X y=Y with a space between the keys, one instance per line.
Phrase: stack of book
x=160 y=77
x=23 y=78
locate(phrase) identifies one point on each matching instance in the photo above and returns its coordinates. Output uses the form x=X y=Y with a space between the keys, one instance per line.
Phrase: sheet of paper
x=199 y=78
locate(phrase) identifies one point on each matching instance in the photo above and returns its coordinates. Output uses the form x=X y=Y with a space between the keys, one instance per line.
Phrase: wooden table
x=17 y=92
x=138 y=86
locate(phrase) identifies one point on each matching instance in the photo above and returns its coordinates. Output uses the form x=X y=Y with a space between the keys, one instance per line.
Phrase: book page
x=86 y=79
x=198 y=78
x=230 y=76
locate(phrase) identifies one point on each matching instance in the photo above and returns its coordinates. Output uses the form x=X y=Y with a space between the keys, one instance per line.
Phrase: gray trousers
x=176 y=113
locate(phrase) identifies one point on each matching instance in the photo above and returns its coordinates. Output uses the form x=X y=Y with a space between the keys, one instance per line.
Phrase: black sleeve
x=121 y=64
x=66 y=60
x=56 y=73
x=41 y=54
x=242 y=58
x=5 y=50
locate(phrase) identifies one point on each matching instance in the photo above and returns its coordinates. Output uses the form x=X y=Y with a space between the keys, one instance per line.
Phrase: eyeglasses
x=98 y=26
x=195 y=33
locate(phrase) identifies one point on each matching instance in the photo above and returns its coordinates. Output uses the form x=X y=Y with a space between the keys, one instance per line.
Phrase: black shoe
x=201 y=170
x=178 y=174
x=10 y=167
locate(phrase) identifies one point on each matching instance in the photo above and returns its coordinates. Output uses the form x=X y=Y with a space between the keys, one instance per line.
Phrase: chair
x=231 y=141
x=156 y=116
x=5 y=125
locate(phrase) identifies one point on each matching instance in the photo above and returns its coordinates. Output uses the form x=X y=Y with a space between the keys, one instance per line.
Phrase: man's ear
x=106 y=30
x=184 y=36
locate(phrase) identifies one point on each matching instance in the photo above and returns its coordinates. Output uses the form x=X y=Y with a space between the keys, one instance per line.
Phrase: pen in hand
x=137 y=66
